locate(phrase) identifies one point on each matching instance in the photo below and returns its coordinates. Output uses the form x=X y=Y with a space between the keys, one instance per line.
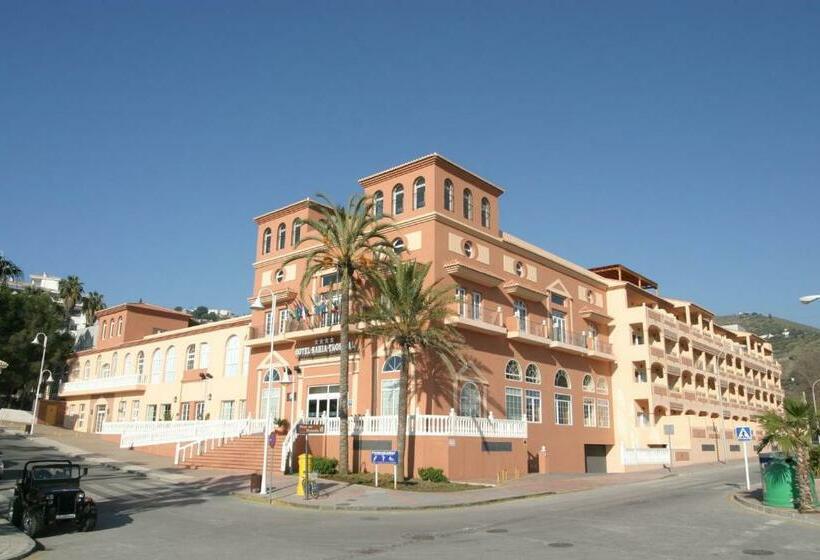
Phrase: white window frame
x=470 y=409
x=602 y=413
x=590 y=414
x=512 y=373
x=419 y=192
x=533 y=406
x=514 y=393
x=562 y=398
x=389 y=403
x=398 y=199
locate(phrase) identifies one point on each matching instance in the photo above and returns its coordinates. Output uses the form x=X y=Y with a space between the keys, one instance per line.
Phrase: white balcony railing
x=136 y=434
x=645 y=456
x=103 y=383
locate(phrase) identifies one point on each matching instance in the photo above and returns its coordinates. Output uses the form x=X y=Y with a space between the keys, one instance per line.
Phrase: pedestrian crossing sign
x=743 y=433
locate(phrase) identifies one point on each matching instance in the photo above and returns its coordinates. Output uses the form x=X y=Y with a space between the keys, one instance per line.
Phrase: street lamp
x=257 y=305
x=39 y=379
x=204 y=376
x=809 y=299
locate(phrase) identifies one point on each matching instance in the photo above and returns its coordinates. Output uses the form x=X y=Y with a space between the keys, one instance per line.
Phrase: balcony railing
x=135 y=434
x=103 y=384
x=480 y=313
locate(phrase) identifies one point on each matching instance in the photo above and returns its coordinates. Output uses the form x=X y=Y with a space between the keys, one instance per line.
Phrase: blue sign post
x=385 y=458
x=744 y=434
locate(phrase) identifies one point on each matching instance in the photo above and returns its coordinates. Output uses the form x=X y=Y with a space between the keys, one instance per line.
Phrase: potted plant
x=282 y=426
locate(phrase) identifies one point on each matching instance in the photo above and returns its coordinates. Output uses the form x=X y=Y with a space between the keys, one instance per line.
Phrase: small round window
x=519 y=268
x=280 y=275
x=468 y=248
x=398 y=245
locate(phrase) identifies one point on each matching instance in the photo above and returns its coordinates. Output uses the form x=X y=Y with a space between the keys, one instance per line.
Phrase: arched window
x=485 y=212
x=468 y=249
x=114 y=364
x=204 y=355
x=588 y=383
x=532 y=374
x=398 y=245
x=296 y=234
x=140 y=364
x=97 y=366
x=281 y=233
x=469 y=401
x=87 y=369
x=266 y=239
x=448 y=195
x=170 y=364
x=398 y=200
x=105 y=330
x=232 y=356
x=418 y=193
x=272 y=376
x=513 y=371
x=378 y=204
x=190 y=357
x=128 y=365
x=468 y=204
x=119 y=326
x=603 y=386
x=562 y=379
x=393 y=363
x=106 y=370
x=156 y=366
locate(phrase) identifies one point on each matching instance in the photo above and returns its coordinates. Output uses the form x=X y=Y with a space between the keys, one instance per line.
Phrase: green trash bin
x=780 y=481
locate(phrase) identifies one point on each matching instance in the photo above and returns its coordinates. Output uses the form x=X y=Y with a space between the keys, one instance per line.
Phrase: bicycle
x=310 y=487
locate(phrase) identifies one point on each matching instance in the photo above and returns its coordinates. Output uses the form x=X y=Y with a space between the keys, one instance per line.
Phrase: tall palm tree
x=92 y=302
x=71 y=291
x=351 y=239
x=409 y=316
x=791 y=432
x=9 y=271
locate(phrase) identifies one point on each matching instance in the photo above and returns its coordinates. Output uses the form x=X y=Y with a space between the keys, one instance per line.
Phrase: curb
x=26 y=547
x=755 y=505
x=284 y=503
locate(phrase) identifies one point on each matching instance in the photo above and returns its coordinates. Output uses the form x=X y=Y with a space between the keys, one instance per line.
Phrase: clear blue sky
x=138 y=139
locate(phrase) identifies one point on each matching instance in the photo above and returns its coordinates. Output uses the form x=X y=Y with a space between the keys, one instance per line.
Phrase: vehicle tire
x=15 y=513
x=32 y=522
x=89 y=520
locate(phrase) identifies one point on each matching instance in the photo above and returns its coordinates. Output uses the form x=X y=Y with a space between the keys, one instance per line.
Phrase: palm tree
x=791 y=432
x=92 y=303
x=409 y=316
x=9 y=271
x=71 y=291
x=351 y=239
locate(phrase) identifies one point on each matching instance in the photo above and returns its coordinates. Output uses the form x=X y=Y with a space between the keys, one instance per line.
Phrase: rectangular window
x=204 y=355
x=184 y=411
x=514 y=409
x=557 y=299
x=642 y=419
x=637 y=336
x=563 y=410
x=640 y=374
x=461 y=299
x=135 y=411
x=533 y=402
x=242 y=409
x=283 y=320
x=226 y=410
x=603 y=413
x=589 y=413
x=268 y=322
x=330 y=279
x=390 y=397
x=121 y=410
x=323 y=400
x=81 y=416
x=559 y=326
x=476 y=308
x=166 y=412
x=200 y=410
x=151 y=413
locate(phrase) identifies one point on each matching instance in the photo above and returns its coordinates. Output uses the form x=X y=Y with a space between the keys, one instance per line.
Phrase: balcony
x=121 y=383
x=473 y=272
x=477 y=319
x=522 y=291
x=524 y=330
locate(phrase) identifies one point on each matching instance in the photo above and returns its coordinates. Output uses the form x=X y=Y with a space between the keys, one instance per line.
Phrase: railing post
x=452 y=427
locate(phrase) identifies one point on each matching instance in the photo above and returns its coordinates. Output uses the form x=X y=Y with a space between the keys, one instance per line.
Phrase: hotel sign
x=323 y=347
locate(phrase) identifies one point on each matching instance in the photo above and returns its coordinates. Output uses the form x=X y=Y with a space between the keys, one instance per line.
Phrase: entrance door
x=99 y=419
x=270 y=402
x=595 y=458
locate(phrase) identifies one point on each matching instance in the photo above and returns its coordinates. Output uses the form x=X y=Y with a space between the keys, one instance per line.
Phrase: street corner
x=14 y=543
x=753 y=500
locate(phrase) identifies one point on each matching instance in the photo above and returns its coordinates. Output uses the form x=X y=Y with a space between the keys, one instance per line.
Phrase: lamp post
x=39 y=379
x=257 y=305
x=204 y=376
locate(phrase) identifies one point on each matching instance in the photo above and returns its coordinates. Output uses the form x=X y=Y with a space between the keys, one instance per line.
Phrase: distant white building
x=51 y=284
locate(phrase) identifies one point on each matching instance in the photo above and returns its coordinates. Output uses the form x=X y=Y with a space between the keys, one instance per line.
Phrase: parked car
x=49 y=492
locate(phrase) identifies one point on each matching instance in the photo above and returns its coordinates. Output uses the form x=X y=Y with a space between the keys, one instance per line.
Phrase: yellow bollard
x=305 y=464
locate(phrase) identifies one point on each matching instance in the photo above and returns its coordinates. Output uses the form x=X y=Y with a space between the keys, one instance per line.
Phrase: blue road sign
x=743 y=433
x=384 y=457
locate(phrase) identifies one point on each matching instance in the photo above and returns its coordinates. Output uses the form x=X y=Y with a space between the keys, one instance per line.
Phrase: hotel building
x=555 y=353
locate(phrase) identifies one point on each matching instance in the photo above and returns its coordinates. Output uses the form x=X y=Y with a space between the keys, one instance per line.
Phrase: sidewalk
x=754 y=500
x=14 y=544
x=342 y=496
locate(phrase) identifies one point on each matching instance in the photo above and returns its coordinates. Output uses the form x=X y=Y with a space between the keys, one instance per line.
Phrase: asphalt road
x=688 y=516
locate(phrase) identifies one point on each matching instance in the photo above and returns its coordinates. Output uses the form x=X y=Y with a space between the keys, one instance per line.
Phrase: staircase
x=241 y=454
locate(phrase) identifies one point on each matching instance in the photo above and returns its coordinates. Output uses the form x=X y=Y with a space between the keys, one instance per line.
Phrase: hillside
x=796 y=346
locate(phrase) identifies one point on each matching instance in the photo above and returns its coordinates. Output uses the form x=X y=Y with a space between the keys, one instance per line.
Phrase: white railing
x=136 y=434
x=287 y=446
x=103 y=383
x=645 y=456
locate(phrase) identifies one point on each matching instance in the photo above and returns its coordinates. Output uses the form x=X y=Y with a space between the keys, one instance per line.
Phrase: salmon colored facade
x=547 y=387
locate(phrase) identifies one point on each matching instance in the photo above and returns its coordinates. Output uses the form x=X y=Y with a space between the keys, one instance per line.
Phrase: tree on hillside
x=22 y=315
x=92 y=302
x=791 y=432
x=71 y=292
x=409 y=317
x=350 y=240
x=9 y=271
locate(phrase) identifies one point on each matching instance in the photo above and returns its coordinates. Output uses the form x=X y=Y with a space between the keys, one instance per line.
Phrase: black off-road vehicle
x=49 y=492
